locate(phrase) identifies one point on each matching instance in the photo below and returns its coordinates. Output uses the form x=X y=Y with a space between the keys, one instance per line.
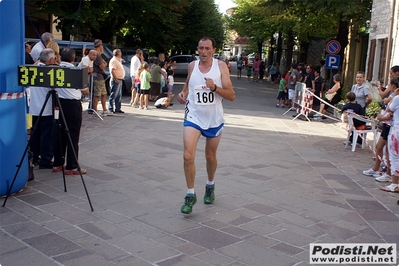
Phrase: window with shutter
x=381 y=76
x=370 y=62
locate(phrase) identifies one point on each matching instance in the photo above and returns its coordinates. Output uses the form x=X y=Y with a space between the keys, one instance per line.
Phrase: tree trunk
x=290 y=47
x=259 y=44
x=271 y=51
x=279 y=47
x=304 y=46
x=342 y=38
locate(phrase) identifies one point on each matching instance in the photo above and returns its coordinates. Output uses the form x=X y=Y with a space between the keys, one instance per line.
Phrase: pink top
x=256 y=65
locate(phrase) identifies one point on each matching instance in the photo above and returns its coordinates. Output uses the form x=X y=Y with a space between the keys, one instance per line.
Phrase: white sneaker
x=103 y=113
x=141 y=107
x=146 y=108
x=378 y=174
x=370 y=172
x=383 y=178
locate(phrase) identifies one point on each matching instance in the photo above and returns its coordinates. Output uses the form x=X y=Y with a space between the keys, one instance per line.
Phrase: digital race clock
x=52 y=76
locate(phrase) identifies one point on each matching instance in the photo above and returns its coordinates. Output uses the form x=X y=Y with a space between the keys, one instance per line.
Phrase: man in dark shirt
x=100 y=91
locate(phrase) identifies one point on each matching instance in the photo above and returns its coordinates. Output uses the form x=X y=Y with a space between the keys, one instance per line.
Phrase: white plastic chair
x=371 y=128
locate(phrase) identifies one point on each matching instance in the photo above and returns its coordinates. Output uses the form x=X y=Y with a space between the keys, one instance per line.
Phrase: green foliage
x=307 y=20
x=158 y=24
x=344 y=90
x=373 y=109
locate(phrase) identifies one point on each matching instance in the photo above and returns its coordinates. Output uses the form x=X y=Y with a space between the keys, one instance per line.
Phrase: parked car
x=216 y=56
x=80 y=47
x=181 y=65
x=233 y=58
x=251 y=58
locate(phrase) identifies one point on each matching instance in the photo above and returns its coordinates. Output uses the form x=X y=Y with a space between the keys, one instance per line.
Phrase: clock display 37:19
x=34 y=76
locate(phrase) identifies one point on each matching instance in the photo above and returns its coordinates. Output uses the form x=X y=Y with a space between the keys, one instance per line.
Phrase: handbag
x=330 y=96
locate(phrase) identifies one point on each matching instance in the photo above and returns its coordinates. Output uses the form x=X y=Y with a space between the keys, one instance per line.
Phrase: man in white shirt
x=46 y=38
x=42 y=137
x=134 y=66
x=72 y=110
x=88 y=60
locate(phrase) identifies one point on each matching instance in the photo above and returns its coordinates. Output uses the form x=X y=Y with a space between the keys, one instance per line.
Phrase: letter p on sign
x=332 y=61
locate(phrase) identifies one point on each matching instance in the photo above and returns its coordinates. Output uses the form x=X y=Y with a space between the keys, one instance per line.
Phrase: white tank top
x=204 y=107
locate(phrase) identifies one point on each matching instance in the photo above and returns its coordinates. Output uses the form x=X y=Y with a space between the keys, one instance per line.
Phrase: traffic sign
x=332 y=61
x=333 y=47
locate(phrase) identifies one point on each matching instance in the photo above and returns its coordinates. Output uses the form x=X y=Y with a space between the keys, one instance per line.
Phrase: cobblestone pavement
x=280 y=185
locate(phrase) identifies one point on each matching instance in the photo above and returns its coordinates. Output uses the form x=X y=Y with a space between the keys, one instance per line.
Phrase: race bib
x=204 y=96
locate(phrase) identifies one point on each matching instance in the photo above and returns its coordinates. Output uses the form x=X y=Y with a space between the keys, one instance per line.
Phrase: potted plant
x=373 y=110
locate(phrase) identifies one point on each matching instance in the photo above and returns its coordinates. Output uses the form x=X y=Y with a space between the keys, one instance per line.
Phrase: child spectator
x=145 y=79
x=164 y=100
x=137 y=87
x=171 y=81
x=281 y=93
x=249 y=73
x=356 y=108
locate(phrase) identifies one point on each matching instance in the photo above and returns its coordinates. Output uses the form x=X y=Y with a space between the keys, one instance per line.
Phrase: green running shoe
x=189 y=202
x=209 y=196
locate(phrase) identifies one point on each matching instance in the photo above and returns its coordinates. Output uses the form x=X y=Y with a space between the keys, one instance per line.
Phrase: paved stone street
x=280 y=185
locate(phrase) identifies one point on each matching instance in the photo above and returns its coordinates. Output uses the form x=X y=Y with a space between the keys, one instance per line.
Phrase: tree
x=160 y=25
x=201 y=19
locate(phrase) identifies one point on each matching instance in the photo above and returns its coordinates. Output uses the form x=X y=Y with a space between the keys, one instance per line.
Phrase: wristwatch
x=214 y=88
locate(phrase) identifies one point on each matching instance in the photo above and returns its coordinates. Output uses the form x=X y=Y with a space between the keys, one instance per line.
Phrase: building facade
x=383 y=52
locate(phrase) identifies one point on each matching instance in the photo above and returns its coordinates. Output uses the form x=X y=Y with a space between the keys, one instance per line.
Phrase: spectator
x=145 y=85
x=117 y=73
x=164 y=100
x=332 y=96
x=273 y=72
x=309 y=78
x=249 y=73
x=239 y=67
x=386 y=119
x=294 y=77
x=87 y=61
x=44 y=40
x=100 y=91
x=53 y=45
x=362 y=92
x=156 y=79
x=42 y=138
x=281 y=93
x=28 y=57
x=72 y=109
x=164 y=75
x=261 y=70
x=256 y=68
x=137 y=85
x=318 y=85
x=353 y=107
x=136 y=62
x=171 y=81
x=393 y=140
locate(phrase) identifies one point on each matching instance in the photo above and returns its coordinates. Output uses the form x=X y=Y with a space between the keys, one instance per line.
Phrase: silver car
x=181 y=63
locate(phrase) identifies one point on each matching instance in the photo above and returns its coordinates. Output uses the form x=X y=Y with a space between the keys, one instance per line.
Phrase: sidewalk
x=280 y=185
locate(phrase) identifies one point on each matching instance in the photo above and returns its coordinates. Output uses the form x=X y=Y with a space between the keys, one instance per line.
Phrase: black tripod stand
x=56 y=108
x=90 y=100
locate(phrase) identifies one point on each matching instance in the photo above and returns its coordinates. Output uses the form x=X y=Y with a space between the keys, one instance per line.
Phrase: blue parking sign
x=332 y=61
